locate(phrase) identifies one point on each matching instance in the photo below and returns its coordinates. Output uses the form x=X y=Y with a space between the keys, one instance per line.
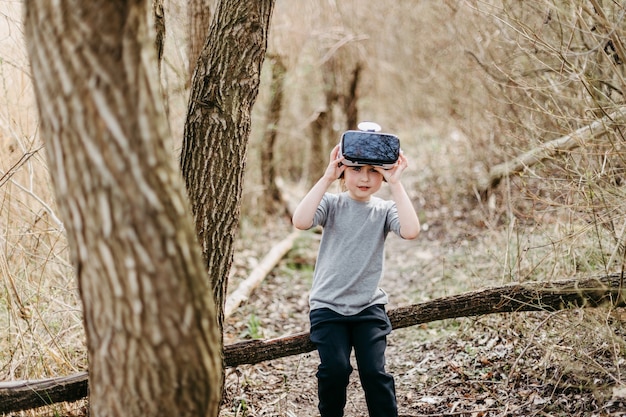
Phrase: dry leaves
x=532 y=364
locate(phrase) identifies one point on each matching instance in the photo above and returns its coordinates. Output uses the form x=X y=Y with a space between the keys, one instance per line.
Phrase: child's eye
x=373 y=170
x=357 y=169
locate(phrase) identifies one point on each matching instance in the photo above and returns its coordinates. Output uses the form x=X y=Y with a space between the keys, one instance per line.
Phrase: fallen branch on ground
x=551 y=296
x=259 y=273
x=24 y=395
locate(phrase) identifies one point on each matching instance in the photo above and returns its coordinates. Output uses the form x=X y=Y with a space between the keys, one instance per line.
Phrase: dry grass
x=40 y=319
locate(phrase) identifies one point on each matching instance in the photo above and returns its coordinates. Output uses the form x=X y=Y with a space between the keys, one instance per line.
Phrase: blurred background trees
x=467 y=85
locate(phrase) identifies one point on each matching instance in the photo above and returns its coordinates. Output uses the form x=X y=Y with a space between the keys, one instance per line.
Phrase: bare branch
x=549 y=149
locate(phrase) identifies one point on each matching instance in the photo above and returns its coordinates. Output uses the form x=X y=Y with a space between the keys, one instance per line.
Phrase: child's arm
x=409 y=222
x=303 y=215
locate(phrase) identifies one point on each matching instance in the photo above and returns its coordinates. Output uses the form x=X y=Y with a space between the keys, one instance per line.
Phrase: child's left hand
x=392 y=176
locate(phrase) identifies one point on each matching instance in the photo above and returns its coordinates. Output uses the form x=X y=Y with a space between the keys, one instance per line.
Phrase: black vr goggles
x=369 y=147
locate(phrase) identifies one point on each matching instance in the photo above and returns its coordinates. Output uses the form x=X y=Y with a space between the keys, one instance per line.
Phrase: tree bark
x=153 y=346
x=223 y=91
x=515 y=298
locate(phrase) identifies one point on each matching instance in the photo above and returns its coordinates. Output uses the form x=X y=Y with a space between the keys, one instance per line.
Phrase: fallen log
x=549 y=149
x=24 y=395
x=549 y=296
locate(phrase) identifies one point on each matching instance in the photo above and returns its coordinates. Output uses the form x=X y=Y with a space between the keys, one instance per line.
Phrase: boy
x=347 y=306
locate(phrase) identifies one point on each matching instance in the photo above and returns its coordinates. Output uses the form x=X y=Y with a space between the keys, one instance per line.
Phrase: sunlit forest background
x=467 y=85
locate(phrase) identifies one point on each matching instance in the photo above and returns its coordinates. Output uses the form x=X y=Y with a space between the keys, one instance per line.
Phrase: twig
x=7 y=176
x=45 y=205
x=548 y=149
x=25 y=157
x=530 y=342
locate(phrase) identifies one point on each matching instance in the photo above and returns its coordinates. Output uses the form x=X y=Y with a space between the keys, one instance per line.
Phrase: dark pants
x=334 y=335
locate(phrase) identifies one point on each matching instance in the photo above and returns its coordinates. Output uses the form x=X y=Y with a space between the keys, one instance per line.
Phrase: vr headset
x=368 y=147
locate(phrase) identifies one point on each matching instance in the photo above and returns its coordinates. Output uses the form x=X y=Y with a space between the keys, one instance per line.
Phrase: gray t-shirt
x=350 y=261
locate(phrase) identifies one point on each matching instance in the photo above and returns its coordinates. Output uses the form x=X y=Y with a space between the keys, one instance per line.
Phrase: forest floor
x=567 y=363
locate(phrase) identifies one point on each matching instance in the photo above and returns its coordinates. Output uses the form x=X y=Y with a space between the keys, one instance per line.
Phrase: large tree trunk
x=223 y=91
x=153 y=344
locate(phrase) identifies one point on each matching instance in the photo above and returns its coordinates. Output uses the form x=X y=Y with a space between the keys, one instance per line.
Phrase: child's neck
x=364 y=199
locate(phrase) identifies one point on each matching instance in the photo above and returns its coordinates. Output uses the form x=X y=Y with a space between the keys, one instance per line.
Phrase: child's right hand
x=335 y=167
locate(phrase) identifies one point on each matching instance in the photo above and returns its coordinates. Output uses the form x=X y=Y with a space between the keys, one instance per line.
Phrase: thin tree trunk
x=215 y=143
x=272 y=199
x=153 y=346
x=158 y=14
x=351 y=99
x=317 y=158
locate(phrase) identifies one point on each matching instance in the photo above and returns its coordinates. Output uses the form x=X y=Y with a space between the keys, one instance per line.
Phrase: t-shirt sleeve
x=321 y=214
x=393 y=221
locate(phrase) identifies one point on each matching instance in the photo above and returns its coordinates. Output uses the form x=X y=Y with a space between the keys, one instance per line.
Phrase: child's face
x=362 y=182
